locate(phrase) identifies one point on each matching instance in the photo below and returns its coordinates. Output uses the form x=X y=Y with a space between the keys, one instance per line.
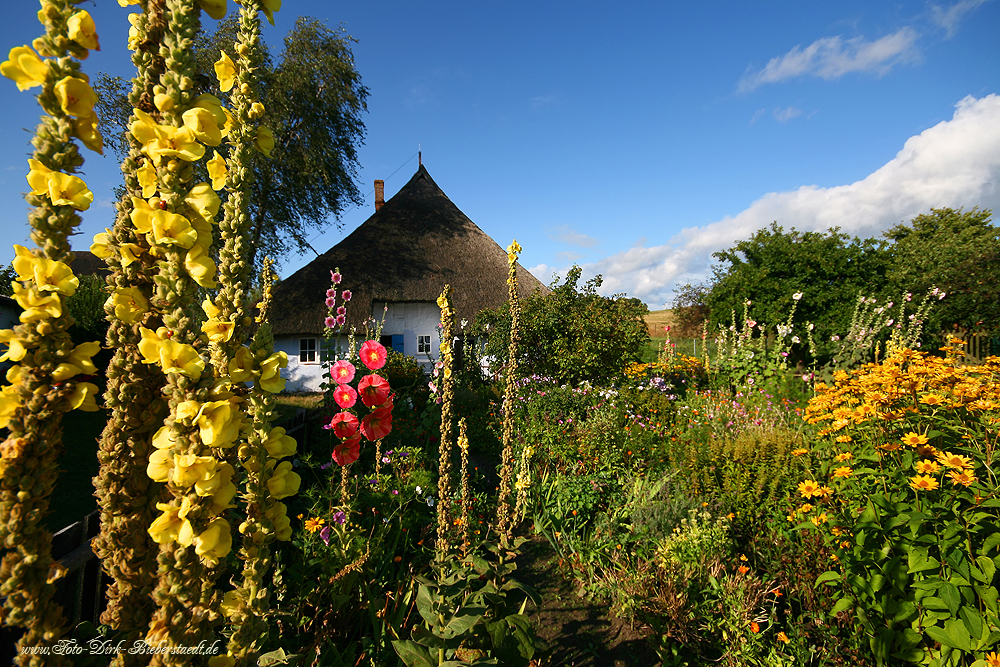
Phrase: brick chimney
x=379 y=193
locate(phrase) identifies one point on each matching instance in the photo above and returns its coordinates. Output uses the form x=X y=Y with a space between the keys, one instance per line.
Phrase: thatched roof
x=412 y=246
x=86 y=263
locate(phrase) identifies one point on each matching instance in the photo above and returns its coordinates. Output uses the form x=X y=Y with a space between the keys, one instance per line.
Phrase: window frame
x=309 y=350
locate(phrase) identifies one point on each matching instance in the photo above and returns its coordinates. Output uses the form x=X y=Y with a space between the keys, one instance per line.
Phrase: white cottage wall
x=411 y=319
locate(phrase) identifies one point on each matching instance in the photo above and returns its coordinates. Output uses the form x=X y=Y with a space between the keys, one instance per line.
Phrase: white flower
x=795 y=339
x=797 y=296
x=419 y=490
x=430 y=502
x=811 y=326
x=834 y=338
x=889 y=323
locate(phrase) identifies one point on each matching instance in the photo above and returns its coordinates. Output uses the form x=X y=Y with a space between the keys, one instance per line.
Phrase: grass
x=656 y=320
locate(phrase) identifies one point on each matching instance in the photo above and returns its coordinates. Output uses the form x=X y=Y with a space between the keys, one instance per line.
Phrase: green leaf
x=949 y=593
x=413 y=654
x=425 y=605
x=972 y=620
x=919 y=561
x=829 y=575
x=462 y=621
x=843 y=604
x=934 y=603
x=953 y=635
x=988 y=568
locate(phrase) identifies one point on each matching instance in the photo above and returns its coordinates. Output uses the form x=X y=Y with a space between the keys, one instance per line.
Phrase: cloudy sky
x=634 y=138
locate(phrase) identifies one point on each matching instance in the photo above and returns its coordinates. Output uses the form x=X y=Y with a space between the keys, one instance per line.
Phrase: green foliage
x=830 y=269
x=473 y=614
x=87 y=308
x=571 y=335
x=957 y=252
x=690 y=308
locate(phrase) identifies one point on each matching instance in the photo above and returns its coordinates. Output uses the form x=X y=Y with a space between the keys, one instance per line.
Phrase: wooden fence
x=978 y=346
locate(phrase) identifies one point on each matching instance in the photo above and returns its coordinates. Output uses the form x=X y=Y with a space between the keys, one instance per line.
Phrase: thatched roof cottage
x=400 y=259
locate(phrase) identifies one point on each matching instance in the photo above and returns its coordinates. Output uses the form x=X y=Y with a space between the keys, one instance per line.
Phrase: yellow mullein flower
x=227 y=127
x=147 y=179
x=24 y=263
x=53 y=276
x=270 y=379
x=142 y=215
x=83 y=31
x=175 y=142
x=82 y=397
x=926 y=467
x=269 y=7
x=202 y=200
x=215 y=542
x=69 y=190
x=212 y=103
x=16 y=349
x=217 y=171
x=219 y=423
x=279 y=445
x=256 y=110
x=164 y=102
x=149 y=344
x=200 y=267
x=86 y=130
x=144 y=129
x=172 y=229
x=202 y=123
x=241 y=365
x=264 y=141
x=180 y=358
x=165 y=527
x=923 y=483
x=210 y=484
x=217 y=330
x=34 y=305
x=38 y=177
x=100 y=246
x=79 y=362
x=160 y=466
x=190 y=468
x=225 y=71
x=130 y=253
x=222 y=498
x=24 y=67
x=9 y=403
x=129 y=304
x=283 y=482
x=76 y=97
x=133 y=31
x=278 y=515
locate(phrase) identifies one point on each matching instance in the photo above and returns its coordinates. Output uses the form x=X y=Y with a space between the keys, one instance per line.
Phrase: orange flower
x=782 y=637
x=992 y=659
x=954 y=460
x=923 y=483
x=926 y=467
x=843 y=471
x=754 y=628
x=965 y=478
x=914 y=439
x=799 y=452
x=844 y=456
x=743 y=569
x=809 y=488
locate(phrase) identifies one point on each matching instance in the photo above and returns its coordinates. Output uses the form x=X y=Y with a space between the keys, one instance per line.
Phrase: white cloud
x=786 y=114
x=568 y=235
x=950 y=18
x=833 y=57
x=757 y=115
x=955 y=163
x=568 y=256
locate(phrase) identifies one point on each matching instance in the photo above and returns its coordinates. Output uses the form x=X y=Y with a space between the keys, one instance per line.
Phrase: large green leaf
x=413 y=654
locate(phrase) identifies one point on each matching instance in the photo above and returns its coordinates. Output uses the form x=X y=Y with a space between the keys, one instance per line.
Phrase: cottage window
x=307 y=350
x=423 y=344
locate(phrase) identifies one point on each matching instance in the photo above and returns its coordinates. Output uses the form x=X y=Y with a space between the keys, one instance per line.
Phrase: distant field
x=656 y=320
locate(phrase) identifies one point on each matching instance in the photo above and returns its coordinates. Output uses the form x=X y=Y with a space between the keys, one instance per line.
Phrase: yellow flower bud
x=83 y=31
x=225 y=71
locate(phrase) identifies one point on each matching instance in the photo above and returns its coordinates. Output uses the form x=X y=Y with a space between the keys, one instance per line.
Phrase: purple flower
x=325 y=535
x=346 y=295
x=386 y=459
x=395 y=492
x=330 y=322
x=326 y=465
x=339 y=518
x=331 y=301
x=335 y=277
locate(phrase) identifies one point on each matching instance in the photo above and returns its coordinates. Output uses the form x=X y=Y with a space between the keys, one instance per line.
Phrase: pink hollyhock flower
x=331 y=301
x=374 y=390
x=346 y=295
x=331 y=293
x=330 y=322
x=345 y=395
x=335 y=277
x=342 y=372
x=344 y=425
x=341 y=319
x=341 y=310
x=347 y=452
x=373 y=355
x=376 y=425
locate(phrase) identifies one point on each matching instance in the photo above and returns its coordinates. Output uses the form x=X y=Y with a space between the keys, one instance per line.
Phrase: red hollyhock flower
x=348 y=451
x=345 y=396
x=374 y=390
x=344 y=425
x=376 y=425
x=342 y=372
x=373 y=355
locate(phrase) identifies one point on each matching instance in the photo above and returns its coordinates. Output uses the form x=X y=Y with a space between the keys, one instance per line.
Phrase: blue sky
x=633 y=138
